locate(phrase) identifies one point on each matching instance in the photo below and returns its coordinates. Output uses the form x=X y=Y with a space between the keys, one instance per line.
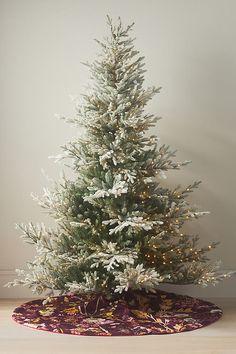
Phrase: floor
x=218 y=338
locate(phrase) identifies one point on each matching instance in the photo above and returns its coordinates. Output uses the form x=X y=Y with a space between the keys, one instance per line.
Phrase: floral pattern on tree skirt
x=137 y=313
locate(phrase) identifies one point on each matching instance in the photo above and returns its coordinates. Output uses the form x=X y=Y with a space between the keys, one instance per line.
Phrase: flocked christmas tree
x=118 y=228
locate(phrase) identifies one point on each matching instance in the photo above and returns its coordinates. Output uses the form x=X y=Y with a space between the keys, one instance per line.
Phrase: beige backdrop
x=190 y=51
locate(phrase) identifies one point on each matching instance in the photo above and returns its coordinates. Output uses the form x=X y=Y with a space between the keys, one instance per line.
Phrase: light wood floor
x=218 y=338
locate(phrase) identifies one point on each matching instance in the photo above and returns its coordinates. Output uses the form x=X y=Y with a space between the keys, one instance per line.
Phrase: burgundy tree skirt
x=137 y=314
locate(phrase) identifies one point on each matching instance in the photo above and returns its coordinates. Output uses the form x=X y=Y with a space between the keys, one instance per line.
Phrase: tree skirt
x=137 y=314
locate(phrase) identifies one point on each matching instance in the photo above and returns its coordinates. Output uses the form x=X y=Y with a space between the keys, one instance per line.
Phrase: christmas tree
x=118 y=228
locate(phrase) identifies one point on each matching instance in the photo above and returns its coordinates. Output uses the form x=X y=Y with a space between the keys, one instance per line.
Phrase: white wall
x=190 y=50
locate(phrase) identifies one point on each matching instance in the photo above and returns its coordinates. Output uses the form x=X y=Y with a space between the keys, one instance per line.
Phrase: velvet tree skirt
x=136 y=313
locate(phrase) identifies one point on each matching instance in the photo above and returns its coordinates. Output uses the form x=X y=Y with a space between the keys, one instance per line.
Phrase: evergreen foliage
x=118 y=228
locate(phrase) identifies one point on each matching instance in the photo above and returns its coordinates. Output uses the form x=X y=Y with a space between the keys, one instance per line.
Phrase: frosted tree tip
x=73 y=97
x=8 y=285
x=86 y=63
x=186 y=162
x=59 y=116
x=109 y=22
